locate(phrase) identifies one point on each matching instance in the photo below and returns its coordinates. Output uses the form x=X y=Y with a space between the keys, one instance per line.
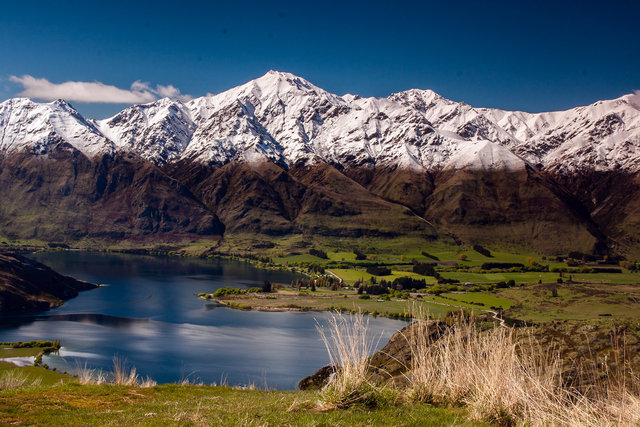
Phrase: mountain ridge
x=285 y=119
x=279 y=155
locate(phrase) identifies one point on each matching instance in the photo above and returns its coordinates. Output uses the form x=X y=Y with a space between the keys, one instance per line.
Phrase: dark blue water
x=150 y=315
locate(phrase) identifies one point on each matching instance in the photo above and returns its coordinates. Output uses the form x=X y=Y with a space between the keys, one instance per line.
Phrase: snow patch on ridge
x=485 y=155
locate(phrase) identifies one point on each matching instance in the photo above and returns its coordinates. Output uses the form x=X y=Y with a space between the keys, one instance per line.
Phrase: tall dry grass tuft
x=147 y=382
x=514 y=380
x=122 y=374
x=89 y=376
x=16 y=379
x=491 y=373
x=349 y=346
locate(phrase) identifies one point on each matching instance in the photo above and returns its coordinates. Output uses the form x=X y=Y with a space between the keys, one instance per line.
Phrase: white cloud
x=168 y=91
x=94 y=92
x=172 y=92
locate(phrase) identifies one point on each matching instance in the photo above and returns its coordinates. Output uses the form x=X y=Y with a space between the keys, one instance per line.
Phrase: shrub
x=227 y=291
x=364 y=297
x=442 y=288
x=408 y=283
x=266 y=286
x=424 y=269
x=501 y=265
x=376 y=289
x=442 y=280
x=428 y=255
x=376 y=270
x=482 y=250
x=319 y=253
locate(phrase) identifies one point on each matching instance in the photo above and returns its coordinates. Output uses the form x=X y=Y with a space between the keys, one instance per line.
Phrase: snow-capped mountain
x=285 y=119
x=38 y=128
x=159 y=131
x=279 y=155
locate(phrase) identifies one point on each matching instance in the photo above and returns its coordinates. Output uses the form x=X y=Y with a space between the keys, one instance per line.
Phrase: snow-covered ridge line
x=285 y=119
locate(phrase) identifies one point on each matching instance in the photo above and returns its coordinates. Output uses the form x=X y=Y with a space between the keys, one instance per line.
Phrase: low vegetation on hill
x=29 y=285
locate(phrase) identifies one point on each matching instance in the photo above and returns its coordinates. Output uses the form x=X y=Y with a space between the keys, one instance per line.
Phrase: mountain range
x=279 y=155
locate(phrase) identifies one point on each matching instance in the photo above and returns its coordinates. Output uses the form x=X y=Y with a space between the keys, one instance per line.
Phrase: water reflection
x=150 y=315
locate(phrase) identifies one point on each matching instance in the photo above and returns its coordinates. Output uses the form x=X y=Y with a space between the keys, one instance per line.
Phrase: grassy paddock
x=286 y=300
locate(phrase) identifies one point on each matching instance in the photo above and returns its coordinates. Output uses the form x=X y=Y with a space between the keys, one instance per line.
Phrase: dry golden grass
x=349 y=346
x=499 y=376
x=124 y=375
x=16 y=379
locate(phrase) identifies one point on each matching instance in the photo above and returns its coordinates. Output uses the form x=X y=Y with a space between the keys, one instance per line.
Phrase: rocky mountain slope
x=280 y=155
x=29 y=285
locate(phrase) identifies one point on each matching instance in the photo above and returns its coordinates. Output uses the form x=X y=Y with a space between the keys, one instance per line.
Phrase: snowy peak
x=38 y=128
x=283 y=118
x=159 y=131
x=602 y=136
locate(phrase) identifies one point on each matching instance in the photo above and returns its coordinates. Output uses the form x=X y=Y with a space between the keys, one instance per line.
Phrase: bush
x=228 y=291
x=266 y=286
x=375 y=289
x=482 y=250
x=442 y=288
x=424 y=269
x=583 y=256
x=501 y=265
x=364 y=297
x=319 y=253
x=408 y=283
x=428 y=255
x=359 y=255
x=378 y=270
x=442 y=280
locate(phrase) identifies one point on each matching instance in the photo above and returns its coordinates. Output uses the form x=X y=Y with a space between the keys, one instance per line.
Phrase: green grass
x=291 y=259
x=332 y=300
x=535 y=303
x=19 y=352
x=617 y=278
x=72 y=405
x=46 y=376
x=534 y=276
x=352 y=275
x=487 y=299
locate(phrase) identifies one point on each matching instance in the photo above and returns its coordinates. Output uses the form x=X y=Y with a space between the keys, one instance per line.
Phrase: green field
x=334 y=300
x=488 y=300
x=352 y=275
x=19 y=352
x=75 y=405
x=44 y=376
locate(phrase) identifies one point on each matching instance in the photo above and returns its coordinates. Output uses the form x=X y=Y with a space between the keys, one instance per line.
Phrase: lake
x=149 y=314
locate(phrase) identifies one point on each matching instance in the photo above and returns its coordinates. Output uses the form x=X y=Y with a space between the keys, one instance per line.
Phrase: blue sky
x=525 y=55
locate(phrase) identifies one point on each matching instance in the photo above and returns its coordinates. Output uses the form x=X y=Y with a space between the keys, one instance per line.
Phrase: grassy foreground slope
x=171 y=404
